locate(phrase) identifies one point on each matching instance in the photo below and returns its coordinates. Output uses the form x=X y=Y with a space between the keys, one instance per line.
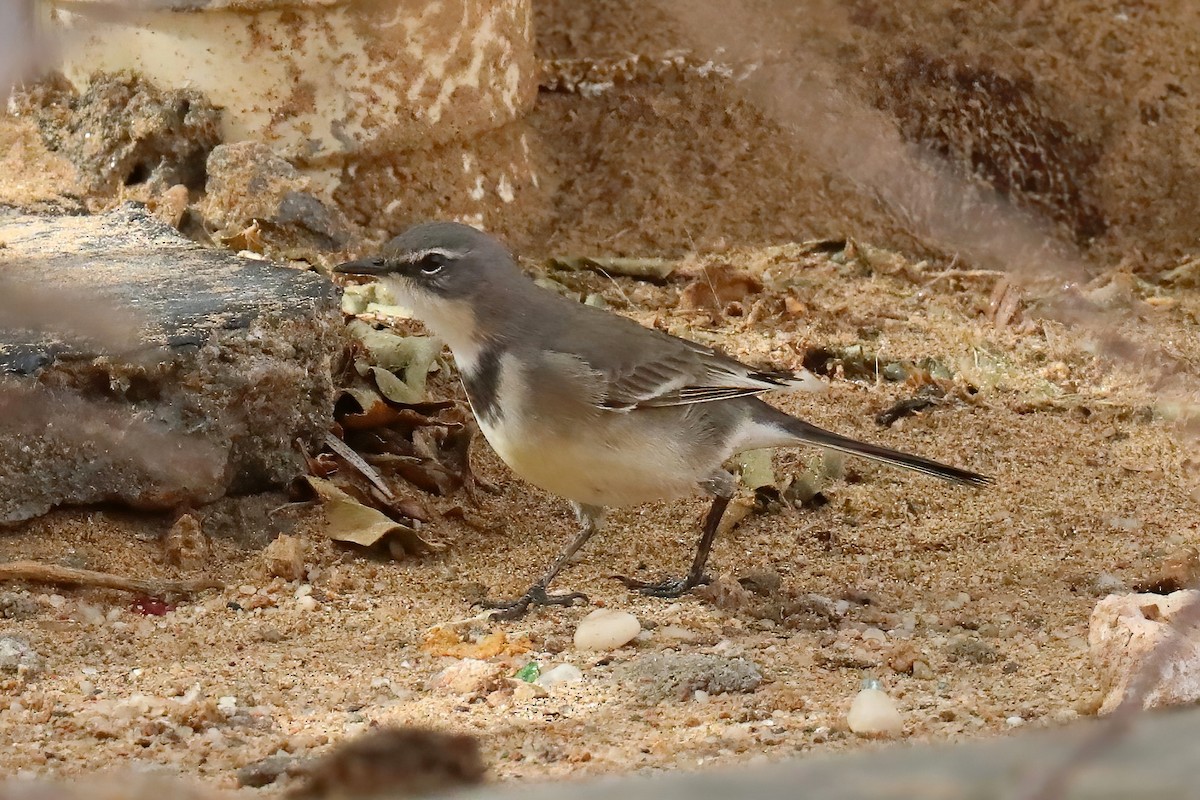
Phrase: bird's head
x=445 y=273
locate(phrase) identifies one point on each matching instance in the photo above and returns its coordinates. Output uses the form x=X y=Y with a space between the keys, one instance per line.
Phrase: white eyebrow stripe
x=417 y=255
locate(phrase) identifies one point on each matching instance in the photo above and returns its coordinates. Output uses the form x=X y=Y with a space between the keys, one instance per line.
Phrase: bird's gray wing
x=667 y=371
x=638 y=367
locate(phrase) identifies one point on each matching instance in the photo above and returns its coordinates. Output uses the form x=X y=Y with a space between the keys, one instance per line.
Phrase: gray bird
x=591 y=406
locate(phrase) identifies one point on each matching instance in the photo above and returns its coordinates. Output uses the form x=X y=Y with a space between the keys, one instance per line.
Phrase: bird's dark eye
x=432 y=264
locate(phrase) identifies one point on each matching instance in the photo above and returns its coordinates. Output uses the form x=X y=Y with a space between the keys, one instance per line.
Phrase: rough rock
x=1126 y=629
x=397 y=762
x=675 y=676
x=17 y=657
x=468 y=676
x=250 y=185
x=267 y=770
x=137 y=367
x=18 y=606
x=185 y=545
x=123 y=131
x=284 y=557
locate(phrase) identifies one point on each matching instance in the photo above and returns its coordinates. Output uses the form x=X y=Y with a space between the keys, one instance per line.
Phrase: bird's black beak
x=364 y=266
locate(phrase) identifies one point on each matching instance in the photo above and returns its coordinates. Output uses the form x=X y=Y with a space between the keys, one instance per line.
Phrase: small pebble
x=468 y=676
x=1014 y=721
x=524 y=692
x=284 y=557
x=306 y=603
x=677 y=633
x=559 y=676
x=267 y=770
x=922 y=671
x=872 y=713
x=604 y=629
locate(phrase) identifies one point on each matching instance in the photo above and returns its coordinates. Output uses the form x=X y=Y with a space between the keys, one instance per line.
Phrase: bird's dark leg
x=695 y=576
x=590 y=518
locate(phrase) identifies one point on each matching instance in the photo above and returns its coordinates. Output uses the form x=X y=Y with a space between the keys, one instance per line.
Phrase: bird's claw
x=672 y=587
x=536 y=596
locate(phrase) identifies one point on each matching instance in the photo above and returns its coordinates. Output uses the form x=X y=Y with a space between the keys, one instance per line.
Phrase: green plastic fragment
x=528 y=673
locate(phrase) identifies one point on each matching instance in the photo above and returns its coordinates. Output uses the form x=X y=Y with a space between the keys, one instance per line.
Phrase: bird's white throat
x=452 y=321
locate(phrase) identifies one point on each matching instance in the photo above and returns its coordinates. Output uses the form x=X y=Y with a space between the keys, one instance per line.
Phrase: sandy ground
x=988 y=590
x=991 y=589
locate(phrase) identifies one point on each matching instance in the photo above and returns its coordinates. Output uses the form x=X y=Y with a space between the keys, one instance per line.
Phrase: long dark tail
x=811 y=434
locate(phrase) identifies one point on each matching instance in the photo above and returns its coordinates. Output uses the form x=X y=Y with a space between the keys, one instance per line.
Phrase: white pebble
x=874 y=635
x=677 y=633
x=606 y=630
x=874 y=714
x=560 y=675
x=1014 y=721
x=306 y=603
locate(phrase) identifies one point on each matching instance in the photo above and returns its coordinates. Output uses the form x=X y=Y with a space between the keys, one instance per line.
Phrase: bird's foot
x=536 y=596
x=672 y=587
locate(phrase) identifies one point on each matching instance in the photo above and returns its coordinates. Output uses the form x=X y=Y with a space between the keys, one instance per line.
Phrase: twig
x=1052 y=784
x=355 y=460
x=37 y=572
x=966 y=273
x=653 y=269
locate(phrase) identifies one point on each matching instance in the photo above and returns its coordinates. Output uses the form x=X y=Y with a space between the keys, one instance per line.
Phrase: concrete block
x=140 y=368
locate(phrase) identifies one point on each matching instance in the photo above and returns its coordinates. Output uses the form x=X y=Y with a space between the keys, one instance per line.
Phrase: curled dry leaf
x=398 y=364
x=348 y=520
x=250 y=239
x=359 y=409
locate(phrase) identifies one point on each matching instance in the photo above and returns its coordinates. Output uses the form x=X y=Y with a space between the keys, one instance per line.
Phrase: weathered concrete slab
x=138 y=367
x=1156 y=759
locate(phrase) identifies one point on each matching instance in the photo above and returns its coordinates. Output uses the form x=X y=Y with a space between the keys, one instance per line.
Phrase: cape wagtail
x=591 y=406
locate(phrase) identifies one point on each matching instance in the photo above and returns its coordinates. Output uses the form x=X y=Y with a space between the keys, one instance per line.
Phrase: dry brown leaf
x=247 y=239
x=347 y=520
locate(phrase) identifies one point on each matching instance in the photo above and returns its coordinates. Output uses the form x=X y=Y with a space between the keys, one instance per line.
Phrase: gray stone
x=249 y=184
x=138 y=367
x=267 y=770
x=675 y=676
x=17 y=657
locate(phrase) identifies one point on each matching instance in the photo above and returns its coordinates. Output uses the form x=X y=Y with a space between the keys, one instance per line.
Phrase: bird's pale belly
x=602 y=463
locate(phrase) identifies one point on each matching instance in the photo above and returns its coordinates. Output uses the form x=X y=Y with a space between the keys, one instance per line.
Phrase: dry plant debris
x=34 y=572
